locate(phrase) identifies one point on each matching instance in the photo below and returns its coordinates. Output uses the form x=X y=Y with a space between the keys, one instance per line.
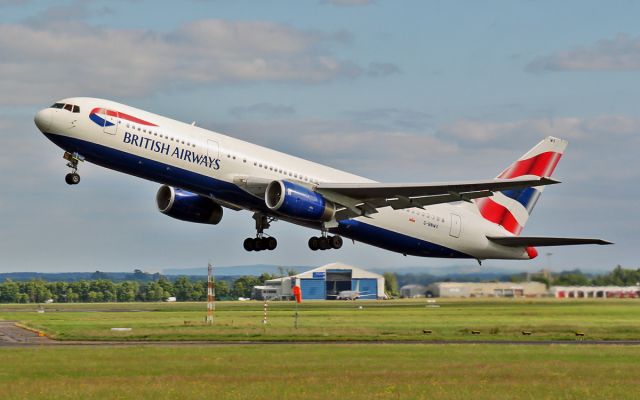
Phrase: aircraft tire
x=336 y=242
x=271 y=243
x=313 y=243
x=260 y=244
x=323 y=243
x=249 y=244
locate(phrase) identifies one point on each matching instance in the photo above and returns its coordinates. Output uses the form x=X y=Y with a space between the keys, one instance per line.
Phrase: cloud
x=4 y=3
x=392 y=117
x=382 y=69
x=262 y=110
x=62 y=59
x=497 y=133
x=369 y=143
x=348 y=2
x=622 y=53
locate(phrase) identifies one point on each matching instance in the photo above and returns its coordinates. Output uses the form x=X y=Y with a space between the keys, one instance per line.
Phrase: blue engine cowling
x=297 y=201
x=187 y=206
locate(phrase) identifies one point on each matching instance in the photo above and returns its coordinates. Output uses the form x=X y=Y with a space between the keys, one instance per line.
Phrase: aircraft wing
x=362 y=199
x=523 y=241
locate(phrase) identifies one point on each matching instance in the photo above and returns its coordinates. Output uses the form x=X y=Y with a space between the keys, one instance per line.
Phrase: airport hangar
x=324 y=283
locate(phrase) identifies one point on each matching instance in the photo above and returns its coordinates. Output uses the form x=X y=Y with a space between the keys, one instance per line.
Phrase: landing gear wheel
x=249 y=244
x=323 y=243
x=313 y=243
x=72 y=178
x=257 y=244
x=335 y=241
x=271 y=243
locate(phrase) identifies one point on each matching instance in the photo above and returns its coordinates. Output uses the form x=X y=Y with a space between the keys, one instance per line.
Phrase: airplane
x=353 y=294
x=201 y=172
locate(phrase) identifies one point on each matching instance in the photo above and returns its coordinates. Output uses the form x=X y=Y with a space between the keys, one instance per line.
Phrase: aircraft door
x=110 y=122
x=213 y=150
x=456 y=226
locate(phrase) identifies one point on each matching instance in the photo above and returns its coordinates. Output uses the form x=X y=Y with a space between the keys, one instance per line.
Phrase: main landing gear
x=325 y=242
x=261 y=241
x=72 y=178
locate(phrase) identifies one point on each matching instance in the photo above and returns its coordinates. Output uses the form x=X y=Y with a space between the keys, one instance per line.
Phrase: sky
x=397 y=91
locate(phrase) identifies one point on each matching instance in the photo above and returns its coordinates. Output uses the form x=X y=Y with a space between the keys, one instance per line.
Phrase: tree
x=243 y=285
x=99 y=275
x=37 y=291
x=183 y=289
x=390 y=284
x=222 y=290
x=9 y=292
x=126 y=291
x=572 y=278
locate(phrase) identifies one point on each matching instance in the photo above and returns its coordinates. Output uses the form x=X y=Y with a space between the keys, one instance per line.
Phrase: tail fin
x=511 y=208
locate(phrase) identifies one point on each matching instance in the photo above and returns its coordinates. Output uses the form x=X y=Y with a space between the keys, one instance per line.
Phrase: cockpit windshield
x=68 y=107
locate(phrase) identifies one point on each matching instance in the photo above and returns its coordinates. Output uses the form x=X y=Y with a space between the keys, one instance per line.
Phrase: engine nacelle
x=187 y=206
x=297 y=201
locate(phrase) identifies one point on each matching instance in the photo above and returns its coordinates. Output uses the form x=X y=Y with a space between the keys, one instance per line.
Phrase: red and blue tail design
x=511 y=208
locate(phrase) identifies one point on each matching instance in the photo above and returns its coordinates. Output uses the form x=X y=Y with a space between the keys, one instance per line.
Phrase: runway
x=15 y=336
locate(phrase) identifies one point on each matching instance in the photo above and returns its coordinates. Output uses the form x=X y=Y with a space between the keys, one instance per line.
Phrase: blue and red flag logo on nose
x=98 y=115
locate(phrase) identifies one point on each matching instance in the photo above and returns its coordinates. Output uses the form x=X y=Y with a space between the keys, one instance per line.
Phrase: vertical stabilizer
x=511 y=208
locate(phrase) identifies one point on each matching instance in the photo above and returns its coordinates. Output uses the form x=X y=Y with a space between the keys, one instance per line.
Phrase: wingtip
x=549 y=181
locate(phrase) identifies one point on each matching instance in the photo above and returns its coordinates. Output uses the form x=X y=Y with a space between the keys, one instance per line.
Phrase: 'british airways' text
x=177 y=152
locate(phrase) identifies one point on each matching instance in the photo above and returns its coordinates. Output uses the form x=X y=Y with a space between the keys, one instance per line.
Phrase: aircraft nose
x=43 y=119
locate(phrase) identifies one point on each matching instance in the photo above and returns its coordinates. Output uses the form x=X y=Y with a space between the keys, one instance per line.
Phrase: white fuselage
x=170 y=152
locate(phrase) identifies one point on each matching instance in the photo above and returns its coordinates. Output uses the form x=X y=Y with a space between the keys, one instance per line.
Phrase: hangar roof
x=356 y=273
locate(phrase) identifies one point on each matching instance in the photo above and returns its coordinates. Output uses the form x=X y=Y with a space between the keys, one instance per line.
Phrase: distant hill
x=408 y=274
x=257 y=269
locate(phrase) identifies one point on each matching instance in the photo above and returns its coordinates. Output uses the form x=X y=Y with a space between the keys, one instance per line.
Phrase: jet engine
x=187 y=206
x=297 y=201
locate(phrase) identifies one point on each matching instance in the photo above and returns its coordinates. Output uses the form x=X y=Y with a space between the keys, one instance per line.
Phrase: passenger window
x=68 y=107
x=76 y=109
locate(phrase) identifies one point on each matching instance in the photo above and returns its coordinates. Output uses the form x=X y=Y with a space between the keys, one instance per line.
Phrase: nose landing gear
x=73 y=159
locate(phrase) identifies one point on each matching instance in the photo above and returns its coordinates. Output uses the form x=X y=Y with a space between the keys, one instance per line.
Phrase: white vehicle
x=202 y=172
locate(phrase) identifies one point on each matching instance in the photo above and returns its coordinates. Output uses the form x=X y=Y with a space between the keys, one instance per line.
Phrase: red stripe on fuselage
x=122 y=115
x=541 y=165
x=498 y=214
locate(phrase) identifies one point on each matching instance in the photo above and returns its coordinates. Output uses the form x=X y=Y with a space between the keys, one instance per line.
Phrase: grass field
x=329 y=371
x=496 y=319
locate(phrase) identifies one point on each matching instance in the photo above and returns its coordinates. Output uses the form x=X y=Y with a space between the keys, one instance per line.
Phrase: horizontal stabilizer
x=524 y=241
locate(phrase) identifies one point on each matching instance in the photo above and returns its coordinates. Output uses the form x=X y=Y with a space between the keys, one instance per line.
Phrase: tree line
x=619 y=276
x=104 y=290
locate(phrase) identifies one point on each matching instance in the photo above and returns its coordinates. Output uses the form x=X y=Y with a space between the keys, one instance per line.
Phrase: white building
x=413 y=291
x=561 y=292
x=325 y=283
x=486 y=289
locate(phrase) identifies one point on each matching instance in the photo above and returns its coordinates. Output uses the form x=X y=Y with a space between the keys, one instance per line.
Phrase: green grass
x=341 y=371
x=496 y=319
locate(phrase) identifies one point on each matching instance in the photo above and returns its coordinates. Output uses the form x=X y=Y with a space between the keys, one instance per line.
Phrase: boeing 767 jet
x=203 y=172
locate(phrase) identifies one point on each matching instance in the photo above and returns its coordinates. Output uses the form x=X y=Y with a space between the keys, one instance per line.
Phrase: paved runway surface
x=11 y=335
